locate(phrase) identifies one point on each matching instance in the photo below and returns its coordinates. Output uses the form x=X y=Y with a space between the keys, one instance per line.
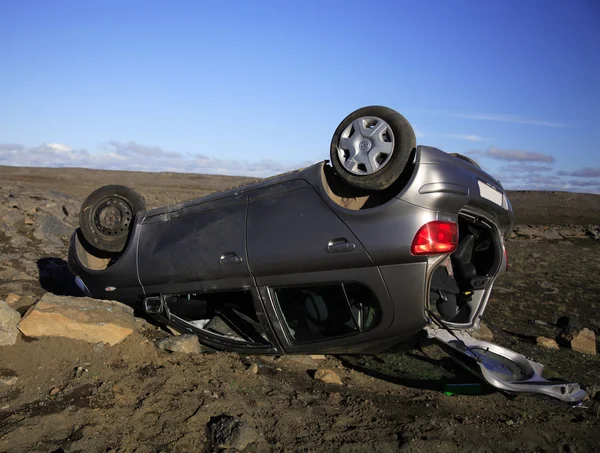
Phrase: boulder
x=328 y=376
x=9 y=318
x=547 y=343
x=580 y=340
x=52 y=229
x=188 y=344
x=79 y=318
x=227 y=432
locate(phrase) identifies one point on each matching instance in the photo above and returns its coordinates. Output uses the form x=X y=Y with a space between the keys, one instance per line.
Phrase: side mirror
x=153 y=304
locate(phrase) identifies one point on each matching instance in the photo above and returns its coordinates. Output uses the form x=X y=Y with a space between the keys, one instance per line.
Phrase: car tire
x=465 y=158
x=107 y=215
x=371 y=147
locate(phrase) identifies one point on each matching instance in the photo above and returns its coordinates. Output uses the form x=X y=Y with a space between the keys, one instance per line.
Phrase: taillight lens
x=505 y=257
x=435 y=237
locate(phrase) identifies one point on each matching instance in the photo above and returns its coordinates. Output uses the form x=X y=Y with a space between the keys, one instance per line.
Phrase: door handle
x=228 y=259
x=340 y=245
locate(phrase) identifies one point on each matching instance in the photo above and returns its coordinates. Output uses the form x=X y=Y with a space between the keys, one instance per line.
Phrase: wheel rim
x=366 y=145
x=112 y=217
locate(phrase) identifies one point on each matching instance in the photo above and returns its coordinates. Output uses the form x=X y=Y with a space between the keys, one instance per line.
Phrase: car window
x=320 y=312
x=230 y=314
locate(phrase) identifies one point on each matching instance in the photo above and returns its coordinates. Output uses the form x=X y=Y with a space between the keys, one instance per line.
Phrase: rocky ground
x=69 y=395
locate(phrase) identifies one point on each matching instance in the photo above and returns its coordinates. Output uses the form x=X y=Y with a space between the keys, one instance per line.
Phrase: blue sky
x=256 y=88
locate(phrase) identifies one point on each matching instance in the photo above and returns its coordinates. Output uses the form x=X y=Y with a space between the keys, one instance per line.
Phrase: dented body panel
x=290 y=264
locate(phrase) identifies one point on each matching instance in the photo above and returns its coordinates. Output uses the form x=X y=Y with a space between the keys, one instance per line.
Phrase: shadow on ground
x=55 y=277
x=416 y=370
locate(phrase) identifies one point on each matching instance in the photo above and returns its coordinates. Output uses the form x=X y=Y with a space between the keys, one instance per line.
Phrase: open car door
x=502 y=368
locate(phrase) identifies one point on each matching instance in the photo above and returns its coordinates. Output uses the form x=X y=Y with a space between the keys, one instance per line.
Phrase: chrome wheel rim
x=366 y=145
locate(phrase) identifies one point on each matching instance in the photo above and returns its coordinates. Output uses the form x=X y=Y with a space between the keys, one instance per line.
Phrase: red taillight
x=435 y=237
x=505 y=257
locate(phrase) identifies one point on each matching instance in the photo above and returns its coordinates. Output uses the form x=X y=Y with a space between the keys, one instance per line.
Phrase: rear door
x=303 y=257
x=196 y=248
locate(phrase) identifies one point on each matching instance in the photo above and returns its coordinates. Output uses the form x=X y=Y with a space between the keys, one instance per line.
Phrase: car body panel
x=293 y=231
x=117 y=282
x=289 y=232
x=203 y=245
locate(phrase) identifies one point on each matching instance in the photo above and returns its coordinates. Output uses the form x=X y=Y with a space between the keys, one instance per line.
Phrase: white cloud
x=515 y=155
x=586 y=172
x=11 y=147
x=506 y=119
x=133 y=148
x=132 y=156
x=58 y=147
x=468 y=137
x=522 y=168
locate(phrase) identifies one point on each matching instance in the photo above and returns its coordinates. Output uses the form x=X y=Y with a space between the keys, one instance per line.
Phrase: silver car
x=388 y=242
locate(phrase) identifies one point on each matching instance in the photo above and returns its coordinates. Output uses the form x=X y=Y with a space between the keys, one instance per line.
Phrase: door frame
x=353 y=343
x=219 y=342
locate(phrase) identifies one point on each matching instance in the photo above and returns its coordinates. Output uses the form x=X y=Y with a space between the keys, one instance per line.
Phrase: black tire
x=466 y=159
x=404 y=141
x=106 y=217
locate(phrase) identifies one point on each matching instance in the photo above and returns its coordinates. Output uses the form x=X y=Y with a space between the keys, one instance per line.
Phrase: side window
x=319 y=312
x=229 y=314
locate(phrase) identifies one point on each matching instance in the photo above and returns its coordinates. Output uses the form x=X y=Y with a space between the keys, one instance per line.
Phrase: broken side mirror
x=154 y=304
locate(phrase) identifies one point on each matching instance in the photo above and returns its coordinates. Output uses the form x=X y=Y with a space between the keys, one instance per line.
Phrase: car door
x=305 y=260
x=198 y=247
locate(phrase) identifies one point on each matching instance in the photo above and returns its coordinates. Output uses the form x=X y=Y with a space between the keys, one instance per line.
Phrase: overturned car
x=388 y=242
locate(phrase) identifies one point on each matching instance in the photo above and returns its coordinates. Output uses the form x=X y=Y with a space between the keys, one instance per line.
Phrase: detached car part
x=348 y=258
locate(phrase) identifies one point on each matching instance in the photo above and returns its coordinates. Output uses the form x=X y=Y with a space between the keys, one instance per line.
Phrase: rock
x=580 y=340
x=13 y=218
x=572 y=233
x=305 y=360
x=28 y=220
x=12 y=274
x=9 y=318
x=549 y=235
x=252 y=368
x=188 y=344
x=483 y=333
x=54 y=391
x=229 y=432
x=79 y=318
x=10 y=380
x=19 y=241
x=594 y=233
x=328 y=376
x=547 y=343
x=547 y=286
x=318 y=357
x=99 y=348
x=12 y=298
x=52 y=229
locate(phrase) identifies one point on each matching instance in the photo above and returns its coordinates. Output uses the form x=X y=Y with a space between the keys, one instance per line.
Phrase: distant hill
x=161 y=189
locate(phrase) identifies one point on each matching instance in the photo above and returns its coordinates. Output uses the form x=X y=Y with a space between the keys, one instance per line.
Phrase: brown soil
x=76 y=397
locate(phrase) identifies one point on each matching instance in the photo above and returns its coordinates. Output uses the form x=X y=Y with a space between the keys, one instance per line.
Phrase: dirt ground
x=63 y=395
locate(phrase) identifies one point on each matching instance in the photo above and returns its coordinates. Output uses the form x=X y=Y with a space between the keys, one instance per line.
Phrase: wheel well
x=349 y=197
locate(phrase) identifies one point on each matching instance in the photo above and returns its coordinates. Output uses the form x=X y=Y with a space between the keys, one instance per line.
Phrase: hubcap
x=366 y=145
x=113 y=217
